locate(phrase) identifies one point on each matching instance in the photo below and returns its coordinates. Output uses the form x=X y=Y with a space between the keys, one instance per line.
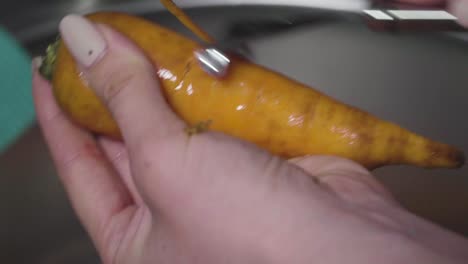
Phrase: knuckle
x=81 y=160
x=115 y=83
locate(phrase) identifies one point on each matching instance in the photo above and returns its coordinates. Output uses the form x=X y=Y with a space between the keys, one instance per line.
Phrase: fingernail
x=460 y=10
x=36 y=63
x=83 y=40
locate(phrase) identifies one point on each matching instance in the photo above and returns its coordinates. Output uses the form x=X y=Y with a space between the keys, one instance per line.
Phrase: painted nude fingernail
x=83 y=39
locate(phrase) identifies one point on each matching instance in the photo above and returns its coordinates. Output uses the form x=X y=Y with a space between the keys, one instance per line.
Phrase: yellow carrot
x=252 y=102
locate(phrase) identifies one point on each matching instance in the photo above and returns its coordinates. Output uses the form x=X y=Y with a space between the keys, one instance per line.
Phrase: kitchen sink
x=417 y=80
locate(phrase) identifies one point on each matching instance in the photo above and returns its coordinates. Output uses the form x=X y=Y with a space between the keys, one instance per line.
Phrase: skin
x=166 y=197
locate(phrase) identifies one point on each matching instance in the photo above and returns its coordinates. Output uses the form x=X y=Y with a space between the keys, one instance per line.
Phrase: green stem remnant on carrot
x=47 y=67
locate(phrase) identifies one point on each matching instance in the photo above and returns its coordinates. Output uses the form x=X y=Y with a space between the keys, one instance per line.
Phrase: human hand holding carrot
x=164 y=197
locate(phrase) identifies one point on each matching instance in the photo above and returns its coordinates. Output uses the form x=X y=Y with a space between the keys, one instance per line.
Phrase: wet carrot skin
x=253 y=103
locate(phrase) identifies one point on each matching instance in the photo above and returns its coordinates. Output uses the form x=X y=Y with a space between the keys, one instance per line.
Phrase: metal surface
x=416 y=80
x=213 y=61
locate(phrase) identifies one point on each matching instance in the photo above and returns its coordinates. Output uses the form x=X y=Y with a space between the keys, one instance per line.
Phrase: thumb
x=346 y=179
x=125 y=80
x=127 y=83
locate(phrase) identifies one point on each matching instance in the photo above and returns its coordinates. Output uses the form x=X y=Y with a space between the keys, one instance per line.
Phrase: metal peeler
x=214 y=59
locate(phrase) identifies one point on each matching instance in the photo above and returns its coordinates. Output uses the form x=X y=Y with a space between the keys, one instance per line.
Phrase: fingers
x=118 y=156
x=96 y=193
x=344 y=177
x=124 y=79
x=460 y=10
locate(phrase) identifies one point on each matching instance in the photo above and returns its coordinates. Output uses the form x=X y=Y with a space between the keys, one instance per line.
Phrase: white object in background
x=422 y=14
x=343 y=5
x=378 y=14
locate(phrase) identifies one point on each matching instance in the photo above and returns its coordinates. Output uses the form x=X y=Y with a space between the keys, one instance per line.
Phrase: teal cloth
x=16 y=103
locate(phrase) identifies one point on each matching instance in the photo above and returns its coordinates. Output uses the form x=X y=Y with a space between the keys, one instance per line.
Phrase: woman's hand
x=167 y=197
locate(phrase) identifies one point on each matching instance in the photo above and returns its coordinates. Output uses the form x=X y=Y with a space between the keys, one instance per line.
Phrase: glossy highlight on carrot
x=252 y=102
